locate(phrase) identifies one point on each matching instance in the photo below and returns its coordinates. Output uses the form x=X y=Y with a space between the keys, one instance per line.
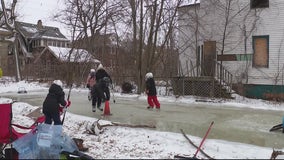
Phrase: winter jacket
x=103 y=80
x=54 y=98
x=151 y=87
x=100 y=74
x=91 y=80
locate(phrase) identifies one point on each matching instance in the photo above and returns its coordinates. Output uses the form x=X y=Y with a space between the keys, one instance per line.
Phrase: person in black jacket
x=54 y=102
x=100 y=90
x=151 y=91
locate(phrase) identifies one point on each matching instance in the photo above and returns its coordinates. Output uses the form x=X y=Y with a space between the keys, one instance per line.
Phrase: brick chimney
x=39 y=25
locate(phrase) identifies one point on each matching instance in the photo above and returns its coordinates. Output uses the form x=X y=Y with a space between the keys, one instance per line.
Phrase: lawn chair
x=7 y=132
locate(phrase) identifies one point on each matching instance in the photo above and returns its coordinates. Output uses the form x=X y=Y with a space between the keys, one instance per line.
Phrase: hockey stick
x=112 y=94
x=203 y=139
x=65 y=108
x=276 y=127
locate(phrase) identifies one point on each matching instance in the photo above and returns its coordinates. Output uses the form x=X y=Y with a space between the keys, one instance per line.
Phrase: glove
x=60 y=110
x=64 y=109
x=68 y=103
x=147 y=91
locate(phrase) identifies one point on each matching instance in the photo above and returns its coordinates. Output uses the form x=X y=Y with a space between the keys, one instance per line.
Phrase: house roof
x=78 y=55
x=29 y=30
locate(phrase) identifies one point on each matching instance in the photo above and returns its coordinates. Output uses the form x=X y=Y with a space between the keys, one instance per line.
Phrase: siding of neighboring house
x=32 y=39
x=38 y=50
x=269 y=24
x=187 y=57
x=4 y=51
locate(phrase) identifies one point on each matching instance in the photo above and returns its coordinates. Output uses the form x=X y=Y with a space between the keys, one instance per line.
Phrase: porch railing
x=224 y=77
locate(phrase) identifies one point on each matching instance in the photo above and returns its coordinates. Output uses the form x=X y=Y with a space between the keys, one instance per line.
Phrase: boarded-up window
x=261 y=50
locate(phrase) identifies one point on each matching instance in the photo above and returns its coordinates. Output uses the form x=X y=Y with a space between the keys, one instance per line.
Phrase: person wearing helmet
x=54 y=103
x=101 y=88
x=91 y=81
x=151 y=91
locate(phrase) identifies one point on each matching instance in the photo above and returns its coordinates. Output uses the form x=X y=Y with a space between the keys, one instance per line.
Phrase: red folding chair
x=7 y=132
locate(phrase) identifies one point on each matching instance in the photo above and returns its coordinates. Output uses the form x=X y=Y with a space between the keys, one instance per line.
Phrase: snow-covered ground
x=118 y=142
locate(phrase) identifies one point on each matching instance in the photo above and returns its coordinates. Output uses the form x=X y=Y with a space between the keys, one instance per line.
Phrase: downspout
x=246 y=70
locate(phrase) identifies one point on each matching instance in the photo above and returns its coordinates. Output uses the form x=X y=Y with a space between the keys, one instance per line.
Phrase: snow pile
x=8 y=85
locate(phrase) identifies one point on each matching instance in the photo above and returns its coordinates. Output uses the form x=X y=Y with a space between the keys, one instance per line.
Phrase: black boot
x=94 y=108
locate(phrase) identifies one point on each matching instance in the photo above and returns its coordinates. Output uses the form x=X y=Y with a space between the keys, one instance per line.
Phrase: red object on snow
x=107 y=108
x=198 y=149
x=8 y=133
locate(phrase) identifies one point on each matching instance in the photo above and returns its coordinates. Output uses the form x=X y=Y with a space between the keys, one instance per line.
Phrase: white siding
x=187 y=45
x=268 y=21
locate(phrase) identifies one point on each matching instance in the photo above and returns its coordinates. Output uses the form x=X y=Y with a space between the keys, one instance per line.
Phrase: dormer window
x=259 y=4
x=49 y=42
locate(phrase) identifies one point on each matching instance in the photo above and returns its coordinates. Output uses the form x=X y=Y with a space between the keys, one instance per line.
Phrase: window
x=40 y=43
x=259 y=4
x=49 y=43
x=260 y=51
x=37 y=43
x=10 y=49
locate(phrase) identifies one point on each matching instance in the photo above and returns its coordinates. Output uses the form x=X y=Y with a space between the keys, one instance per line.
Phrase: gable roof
x=78 y=55
x=29 y=30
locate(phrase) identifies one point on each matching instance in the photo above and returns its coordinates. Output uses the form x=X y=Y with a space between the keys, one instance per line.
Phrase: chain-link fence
x=199 y=86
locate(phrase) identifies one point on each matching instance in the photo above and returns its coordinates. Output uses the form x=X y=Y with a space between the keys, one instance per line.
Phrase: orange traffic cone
x=107 y=109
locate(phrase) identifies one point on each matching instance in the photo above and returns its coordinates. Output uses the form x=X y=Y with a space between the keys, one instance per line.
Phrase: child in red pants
x=151 y=91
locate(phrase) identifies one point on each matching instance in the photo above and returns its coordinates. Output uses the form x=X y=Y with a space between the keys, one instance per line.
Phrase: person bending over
x=54 y=102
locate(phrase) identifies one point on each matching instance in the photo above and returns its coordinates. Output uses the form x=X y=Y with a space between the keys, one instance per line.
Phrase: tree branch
x=195 y=145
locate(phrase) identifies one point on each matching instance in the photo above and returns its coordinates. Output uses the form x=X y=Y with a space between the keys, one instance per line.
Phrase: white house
x=249 y=36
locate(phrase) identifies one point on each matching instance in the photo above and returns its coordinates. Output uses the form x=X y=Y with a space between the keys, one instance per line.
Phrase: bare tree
x=155 y=31
x=8 y=16
x=90 y=18
x=152 y=24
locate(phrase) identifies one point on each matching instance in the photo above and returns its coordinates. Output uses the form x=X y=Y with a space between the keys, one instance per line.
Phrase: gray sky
x=31 y=11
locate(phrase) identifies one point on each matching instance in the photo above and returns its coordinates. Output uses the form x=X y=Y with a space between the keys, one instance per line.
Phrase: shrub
x=126 y=87
x=1 y=72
